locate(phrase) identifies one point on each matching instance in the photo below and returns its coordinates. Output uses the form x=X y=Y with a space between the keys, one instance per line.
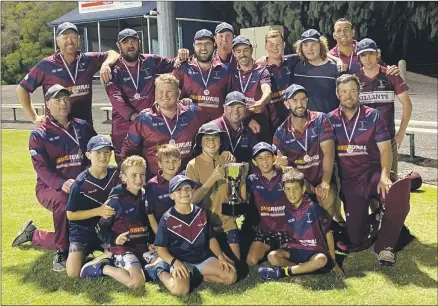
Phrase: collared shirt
x=51 y=70
x=354 y=66
x=122 y=92
x=288 y=141
x=379 y=93
x=230 y=60
x=360 y=155
x=157 y=196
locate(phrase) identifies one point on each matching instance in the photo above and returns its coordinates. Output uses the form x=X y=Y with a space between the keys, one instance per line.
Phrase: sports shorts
x=272 y=239
x=297 y=256
x=199 y=266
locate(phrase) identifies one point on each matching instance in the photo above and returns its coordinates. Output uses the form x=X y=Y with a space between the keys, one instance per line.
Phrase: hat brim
x=130 y=36
x=101 y=147
x=241 y=43
x=62 y=31
x=204 y=37
x=309 y=38
x=257 y=152
x=366 y=50
x=223 y=30
x=57 y=92
x=291 y=95
x=234 y=102
x=186 y=180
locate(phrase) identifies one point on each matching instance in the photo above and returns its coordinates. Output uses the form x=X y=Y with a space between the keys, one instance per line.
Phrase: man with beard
x=254 y=82
x=364 y=159
x=132 y=87
x=223 y=37
x=307 y=139
x=204 y=79
x=70 y=68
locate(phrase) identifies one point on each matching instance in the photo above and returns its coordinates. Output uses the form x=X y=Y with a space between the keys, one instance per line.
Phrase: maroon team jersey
x=379 y=93
x=351 y=60
x=361 y=154
x=125 y=98
x=230 y=60
x=57 y=153
x=209 y=95
x=292 y=144
x=52 y=70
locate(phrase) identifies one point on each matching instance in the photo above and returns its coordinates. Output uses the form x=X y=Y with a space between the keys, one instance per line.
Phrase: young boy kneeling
x=86 y=204
x=311 y=247
x=184 y=238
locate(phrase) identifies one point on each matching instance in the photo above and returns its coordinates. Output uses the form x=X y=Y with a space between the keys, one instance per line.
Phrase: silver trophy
x=234 y=173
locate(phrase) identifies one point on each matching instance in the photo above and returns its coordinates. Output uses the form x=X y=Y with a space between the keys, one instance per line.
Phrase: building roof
x=76 y=18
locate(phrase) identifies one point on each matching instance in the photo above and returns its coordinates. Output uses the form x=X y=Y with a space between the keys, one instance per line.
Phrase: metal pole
x=149 y=36
x=166 y=25
x=54 y=38
x=86 y=38
x=98 y=36
x=180 y=35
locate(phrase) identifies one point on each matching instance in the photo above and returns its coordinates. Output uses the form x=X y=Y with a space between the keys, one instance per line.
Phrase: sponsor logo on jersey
x=79 y=90
x=313 y=161
x=308 y=242
x=206 y=101
x=377 y=97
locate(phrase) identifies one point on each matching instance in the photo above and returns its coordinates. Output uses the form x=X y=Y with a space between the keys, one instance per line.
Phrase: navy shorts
x=233 y=236
x=84 y=241
x=301 y=256
x=272 y=239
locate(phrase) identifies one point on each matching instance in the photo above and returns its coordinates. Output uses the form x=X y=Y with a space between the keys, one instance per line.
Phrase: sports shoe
x=154 y=269
x=25 y=234
x=267 y=273
x=386 y=257
x=59 y=261
x=94 y=268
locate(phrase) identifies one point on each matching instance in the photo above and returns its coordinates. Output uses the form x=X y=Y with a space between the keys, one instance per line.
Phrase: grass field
x=27 y=277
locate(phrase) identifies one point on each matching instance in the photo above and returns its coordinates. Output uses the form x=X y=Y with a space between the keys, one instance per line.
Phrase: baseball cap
x=292 y=90
x=177 y=180
x=223 y=27
x=66 y=26
x=241 y=39
x=365 y=45
x=262 y=146
x=204 y=33
x=127 y=33
x=98 y=142
x=54 y=90
x=234 y=97
x=310 y=34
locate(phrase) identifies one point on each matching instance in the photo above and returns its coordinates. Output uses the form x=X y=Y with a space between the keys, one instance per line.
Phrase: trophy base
x=233 y=209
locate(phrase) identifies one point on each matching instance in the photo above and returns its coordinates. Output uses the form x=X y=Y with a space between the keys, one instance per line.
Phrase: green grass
x=27 y=277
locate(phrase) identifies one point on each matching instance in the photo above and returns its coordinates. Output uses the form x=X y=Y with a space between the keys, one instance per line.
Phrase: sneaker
x=25 y=234
x=94 y=268
x=59 y=261
x=386 y=257
x=154 y=269
x=267 y=273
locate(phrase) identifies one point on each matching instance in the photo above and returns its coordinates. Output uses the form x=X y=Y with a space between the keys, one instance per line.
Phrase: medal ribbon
x=202 y=75
x=130 y=75
x=229 y=136
x=68 y=69
x=305 y=142
x=247 y=82
x=351 y=57
x=354 y=127
x=168 y=126
x=76 y=141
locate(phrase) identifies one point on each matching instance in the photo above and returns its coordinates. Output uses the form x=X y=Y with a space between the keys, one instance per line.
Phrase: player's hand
x=122 y=238
x=152 y=247
x=228 y=157
x=105 y=211
x=254 y=126
x=322 y=190
x=384 y=185
x=67 y=185
x=399 y=139
x=105 y=74
x=338 y=270
x=183 y=54
x=180 y=270
x=218 y=174
x=226 y=263
x=257 y=107
x=134 y=116
x=392 y=70
x=186 y=101
x=262 y=61
x=280 y=160
x=38 y=121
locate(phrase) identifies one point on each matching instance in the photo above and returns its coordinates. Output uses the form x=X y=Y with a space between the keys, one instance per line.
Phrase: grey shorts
x=199 y=266
x=86 y=248
x=126 y=261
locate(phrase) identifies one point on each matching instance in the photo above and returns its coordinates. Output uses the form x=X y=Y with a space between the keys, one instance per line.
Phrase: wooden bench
x=14 y=108
x=418 y=127
x=108 y=109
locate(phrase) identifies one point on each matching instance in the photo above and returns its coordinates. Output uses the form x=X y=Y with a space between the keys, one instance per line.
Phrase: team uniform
x=320 y=83
x=187 y=237
x=207 y=90
x=130 y=215
x=379 y=93
x=131 y=90
x=88 y=192
x=360 y=170
x=351 y=60
x=307 y=227
x=56 y=157
x=151 y=129
x=230 y=60
x=303 y=150
x=77 y=78
x=270 y=201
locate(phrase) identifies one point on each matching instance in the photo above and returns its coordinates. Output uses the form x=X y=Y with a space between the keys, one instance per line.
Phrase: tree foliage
x=26 y=36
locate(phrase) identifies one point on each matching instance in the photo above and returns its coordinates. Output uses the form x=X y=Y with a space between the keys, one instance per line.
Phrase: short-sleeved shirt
x=308 y=225
x=288 y=141
x=51 y=70
x=187 y=237
x=199 y=170
x=230 y=60
x=122 y=92
x=361 y=154
x=157 y=196
x=88 y=192
x=346 y=59
x=320 y=83
x=270 y=201
x=379 y=93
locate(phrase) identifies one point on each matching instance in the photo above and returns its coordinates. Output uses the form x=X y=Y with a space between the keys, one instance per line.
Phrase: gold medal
x=172 y=142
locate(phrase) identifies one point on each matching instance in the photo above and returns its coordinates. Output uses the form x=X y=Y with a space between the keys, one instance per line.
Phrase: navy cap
x=235 y=97
x=262 y=146
x=311 y=34
x=66 y=26
x=241 y=39
x=223 y=27
x=98 y=142
x=54 y=90
x=127 y=33
x=293 y=89
x=204 y=33
x=177 y=180
x=365 y=45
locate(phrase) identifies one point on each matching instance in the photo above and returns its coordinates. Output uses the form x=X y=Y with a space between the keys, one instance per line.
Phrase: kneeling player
x=126 y=231
x=311 y=247
x=86 y=203
x=267 y=194
x=185 y=237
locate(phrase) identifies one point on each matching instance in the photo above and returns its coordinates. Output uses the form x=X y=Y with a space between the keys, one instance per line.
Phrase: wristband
x=173 y=261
